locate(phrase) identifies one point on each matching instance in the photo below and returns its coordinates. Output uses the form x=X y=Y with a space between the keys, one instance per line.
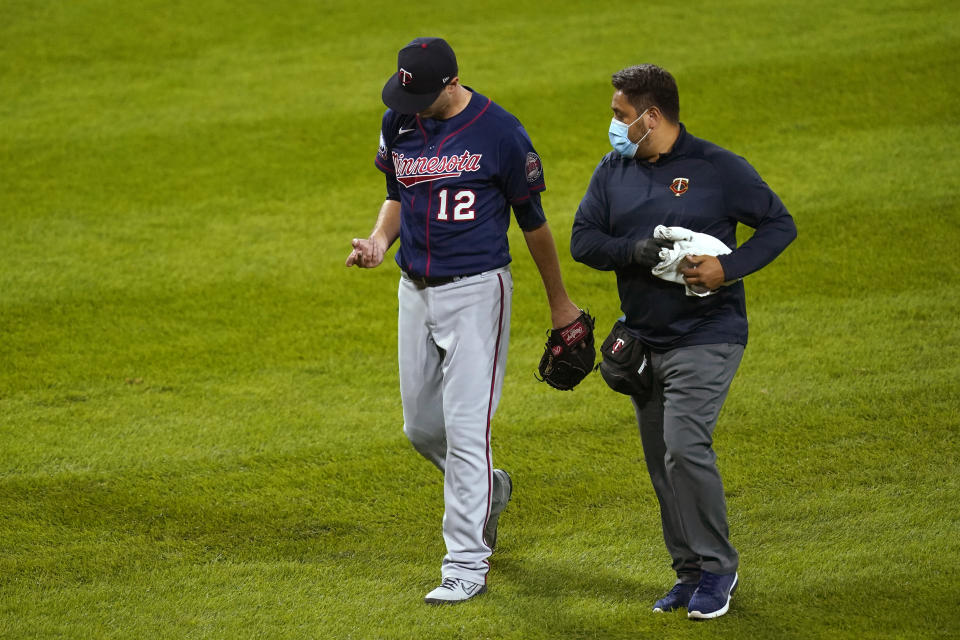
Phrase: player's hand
x=704 y=271
x=564 y=313
x=367 y=253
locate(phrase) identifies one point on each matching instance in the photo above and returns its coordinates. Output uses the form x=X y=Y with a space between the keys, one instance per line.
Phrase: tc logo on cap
x=424 y=68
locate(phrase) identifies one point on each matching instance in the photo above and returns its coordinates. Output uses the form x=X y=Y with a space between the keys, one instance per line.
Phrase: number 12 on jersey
x=462 y=209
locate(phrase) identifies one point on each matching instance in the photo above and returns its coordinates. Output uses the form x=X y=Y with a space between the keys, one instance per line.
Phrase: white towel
x=685 y=243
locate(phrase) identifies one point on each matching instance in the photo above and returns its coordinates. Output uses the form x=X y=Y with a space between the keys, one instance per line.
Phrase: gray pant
x=452 y=350
x=676 y=428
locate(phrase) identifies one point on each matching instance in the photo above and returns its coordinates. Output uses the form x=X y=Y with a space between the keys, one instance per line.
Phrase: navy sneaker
x=676 y=598
x=712 y=597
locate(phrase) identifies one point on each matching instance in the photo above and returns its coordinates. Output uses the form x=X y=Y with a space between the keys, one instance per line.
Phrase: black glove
x=569 y=354
x=646 y=252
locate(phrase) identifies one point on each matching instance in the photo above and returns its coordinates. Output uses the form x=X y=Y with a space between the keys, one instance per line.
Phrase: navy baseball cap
x=424 y=68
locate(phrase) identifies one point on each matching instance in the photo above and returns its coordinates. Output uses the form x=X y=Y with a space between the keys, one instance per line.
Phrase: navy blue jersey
x=704 y=188
x=458 y=179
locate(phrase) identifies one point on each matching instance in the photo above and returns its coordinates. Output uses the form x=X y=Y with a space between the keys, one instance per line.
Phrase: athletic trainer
x=455 y=164
x=659 y=174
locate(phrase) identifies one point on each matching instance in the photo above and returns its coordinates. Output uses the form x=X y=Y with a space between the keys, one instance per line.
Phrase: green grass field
x=200 y=426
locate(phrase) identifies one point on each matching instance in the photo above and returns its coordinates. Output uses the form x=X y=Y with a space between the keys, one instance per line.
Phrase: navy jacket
x=704 y=188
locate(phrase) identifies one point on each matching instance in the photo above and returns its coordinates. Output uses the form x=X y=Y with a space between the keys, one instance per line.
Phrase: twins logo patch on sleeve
x=533 y=167
x=382 y=150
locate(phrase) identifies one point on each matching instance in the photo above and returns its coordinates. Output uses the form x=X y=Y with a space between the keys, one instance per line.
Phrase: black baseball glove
x=569 y=354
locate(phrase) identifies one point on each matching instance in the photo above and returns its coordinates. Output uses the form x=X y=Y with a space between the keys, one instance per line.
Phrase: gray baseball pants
x=676 y=423
x=452 y=350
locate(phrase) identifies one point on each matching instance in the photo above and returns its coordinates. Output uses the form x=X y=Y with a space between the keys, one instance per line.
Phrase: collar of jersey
x=679 y=149
x=476 y=103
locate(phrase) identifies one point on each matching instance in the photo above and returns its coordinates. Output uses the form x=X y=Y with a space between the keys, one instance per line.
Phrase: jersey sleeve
x=529 y=212
x=751 y=202
x=388 y=131
x=382 y=159
x=393 y=189
x=591 y=240
x=521 y=172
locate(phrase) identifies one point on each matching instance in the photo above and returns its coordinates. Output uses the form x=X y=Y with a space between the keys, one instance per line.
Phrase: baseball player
x=659 y=174
x=455 y=164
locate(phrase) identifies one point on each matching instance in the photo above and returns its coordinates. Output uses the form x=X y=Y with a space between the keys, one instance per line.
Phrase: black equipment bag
x=625 y=366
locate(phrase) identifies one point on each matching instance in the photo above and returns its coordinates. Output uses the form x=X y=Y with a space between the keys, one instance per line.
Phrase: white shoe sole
x=696 y=615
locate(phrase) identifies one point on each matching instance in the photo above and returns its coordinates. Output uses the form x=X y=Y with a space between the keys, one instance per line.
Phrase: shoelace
x=449 y=583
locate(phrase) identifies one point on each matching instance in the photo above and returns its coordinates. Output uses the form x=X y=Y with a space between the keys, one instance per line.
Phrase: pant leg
x=473 y=328
x=420 y=375
x=649 y=413
x=695 y=384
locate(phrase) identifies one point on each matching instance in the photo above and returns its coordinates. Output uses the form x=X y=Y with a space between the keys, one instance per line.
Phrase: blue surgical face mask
x=621 y=141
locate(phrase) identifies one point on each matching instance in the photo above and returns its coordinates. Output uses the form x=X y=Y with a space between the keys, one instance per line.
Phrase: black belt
x=422 y=282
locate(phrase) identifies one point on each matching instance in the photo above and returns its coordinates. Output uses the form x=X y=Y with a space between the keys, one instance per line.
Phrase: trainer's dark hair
x=647 y=85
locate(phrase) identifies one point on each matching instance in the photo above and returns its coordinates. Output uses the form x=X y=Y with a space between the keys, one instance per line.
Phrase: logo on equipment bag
x=679 y=186
x=617 y=345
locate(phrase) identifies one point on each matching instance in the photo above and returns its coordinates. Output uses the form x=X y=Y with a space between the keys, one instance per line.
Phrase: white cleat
x=454 y=590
